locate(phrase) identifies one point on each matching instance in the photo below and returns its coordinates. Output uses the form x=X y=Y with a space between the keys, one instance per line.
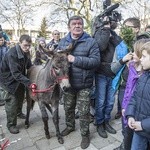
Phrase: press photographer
x=113 y=57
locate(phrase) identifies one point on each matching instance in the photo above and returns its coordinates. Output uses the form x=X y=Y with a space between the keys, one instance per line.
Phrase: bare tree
x=137 y=8
x=22 y=12
x=17 y=12
x=63 y=9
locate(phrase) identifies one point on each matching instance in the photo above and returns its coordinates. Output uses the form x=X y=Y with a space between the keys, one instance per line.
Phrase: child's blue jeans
x=139 y=142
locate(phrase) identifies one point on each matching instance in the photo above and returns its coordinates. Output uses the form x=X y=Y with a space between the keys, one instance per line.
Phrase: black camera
x=115 y=16
x=55 y=46
x=110 y=12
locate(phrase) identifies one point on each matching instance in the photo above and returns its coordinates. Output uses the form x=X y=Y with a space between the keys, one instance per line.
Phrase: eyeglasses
x=56 y=33
x=131 y=26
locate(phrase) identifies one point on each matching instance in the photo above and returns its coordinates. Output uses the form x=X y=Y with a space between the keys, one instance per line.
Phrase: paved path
x=34 y=138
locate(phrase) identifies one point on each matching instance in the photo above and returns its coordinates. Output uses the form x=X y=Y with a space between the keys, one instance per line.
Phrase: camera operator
x=112 y=61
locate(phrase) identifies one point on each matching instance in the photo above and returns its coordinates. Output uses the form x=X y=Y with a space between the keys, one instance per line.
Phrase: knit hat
x=42 y=39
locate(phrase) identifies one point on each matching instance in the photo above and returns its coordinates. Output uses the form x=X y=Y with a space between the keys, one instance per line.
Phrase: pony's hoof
x=26 y=126
x=48 y=136
x=61 y=140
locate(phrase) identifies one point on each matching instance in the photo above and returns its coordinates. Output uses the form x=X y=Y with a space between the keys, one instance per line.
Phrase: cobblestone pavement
x=33 y=138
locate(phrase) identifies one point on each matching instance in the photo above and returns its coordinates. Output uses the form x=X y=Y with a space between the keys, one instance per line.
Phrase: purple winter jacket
x=130 y=86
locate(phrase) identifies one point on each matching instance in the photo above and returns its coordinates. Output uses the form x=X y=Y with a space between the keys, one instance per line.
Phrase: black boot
x=67 y=131
x=101 y=131
x=13 y=130
x=85 y=142
x=109 y=128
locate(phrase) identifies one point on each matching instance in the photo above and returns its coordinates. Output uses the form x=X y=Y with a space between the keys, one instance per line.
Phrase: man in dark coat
x=13 y=80
x=3 y=50
x=84 y=59
x=113 y=50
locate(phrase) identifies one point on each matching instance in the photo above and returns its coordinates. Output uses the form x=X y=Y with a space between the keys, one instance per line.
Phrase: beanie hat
x=42 y=39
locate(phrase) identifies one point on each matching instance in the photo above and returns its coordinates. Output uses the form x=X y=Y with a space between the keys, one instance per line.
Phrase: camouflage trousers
x=80 y=98
x=13 y=105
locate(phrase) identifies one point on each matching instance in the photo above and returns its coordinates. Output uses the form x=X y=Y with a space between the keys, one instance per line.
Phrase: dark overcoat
x=13 y=69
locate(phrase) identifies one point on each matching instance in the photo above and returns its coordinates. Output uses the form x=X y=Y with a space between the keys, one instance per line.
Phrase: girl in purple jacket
x=135 y=70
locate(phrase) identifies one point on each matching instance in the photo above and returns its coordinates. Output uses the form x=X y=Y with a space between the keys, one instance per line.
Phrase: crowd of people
x=100 y=67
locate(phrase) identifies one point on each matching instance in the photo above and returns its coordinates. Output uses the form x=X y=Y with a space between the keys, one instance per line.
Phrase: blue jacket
x=87 y=58
x=120 y=51
x=139 y=105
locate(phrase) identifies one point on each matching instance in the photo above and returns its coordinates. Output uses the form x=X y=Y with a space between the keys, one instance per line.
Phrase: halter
x=51 y=87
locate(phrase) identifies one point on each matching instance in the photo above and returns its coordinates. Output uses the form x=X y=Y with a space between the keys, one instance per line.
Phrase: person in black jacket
x=112 y=61
x=137 y=111
x=84 y=59
x=3 y=50
x=13 y=80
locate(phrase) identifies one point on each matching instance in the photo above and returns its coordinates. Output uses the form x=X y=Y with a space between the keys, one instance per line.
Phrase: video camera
x=110 y=12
